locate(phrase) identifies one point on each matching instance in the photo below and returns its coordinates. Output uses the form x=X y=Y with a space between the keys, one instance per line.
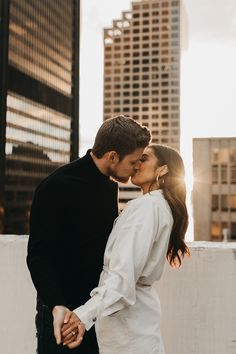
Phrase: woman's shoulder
x=154 y=200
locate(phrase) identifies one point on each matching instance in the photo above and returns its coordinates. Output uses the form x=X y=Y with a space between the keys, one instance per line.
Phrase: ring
x=73 y=333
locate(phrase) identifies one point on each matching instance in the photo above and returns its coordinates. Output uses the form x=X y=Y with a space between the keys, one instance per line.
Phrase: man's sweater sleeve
x=44 y=227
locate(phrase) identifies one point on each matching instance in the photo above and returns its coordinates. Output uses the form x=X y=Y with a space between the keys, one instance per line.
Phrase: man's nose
x=137 y=166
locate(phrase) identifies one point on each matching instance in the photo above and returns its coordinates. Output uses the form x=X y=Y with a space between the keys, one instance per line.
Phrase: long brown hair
x=174 y=190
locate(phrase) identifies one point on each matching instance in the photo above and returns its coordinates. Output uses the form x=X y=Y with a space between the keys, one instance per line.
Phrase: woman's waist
x=140 y=283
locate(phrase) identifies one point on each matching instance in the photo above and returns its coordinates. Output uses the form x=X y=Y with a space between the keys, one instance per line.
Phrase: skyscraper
x=214 y=192
x=39 y=93
x=142 y=71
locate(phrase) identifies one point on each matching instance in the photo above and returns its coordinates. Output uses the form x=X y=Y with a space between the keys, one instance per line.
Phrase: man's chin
x=121 y=179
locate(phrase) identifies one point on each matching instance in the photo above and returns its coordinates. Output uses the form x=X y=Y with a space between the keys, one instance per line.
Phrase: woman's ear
x=163 y=170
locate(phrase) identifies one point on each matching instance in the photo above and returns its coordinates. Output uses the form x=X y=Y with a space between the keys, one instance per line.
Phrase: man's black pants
x=46 y=340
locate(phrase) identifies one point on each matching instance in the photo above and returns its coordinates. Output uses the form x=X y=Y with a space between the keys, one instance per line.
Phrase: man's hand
x=61 y=315
x=73 y=332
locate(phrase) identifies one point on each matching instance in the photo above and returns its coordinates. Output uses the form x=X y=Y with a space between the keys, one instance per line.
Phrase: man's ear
x=163 y=170
x=112 y=157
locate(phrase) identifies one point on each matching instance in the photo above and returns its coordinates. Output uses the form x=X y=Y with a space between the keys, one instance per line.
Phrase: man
x=72 y=214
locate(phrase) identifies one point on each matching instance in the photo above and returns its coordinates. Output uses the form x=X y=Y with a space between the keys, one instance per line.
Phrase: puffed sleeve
x=134 y=234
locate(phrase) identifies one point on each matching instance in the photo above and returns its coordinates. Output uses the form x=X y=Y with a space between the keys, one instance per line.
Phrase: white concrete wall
x=198 y=300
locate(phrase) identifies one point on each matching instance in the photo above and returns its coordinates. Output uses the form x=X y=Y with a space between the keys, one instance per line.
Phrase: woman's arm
x=134 y=234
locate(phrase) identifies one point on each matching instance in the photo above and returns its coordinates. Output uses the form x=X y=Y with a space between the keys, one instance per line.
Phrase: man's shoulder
x=65 y=176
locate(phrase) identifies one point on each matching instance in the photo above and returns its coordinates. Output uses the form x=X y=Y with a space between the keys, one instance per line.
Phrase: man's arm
x=44 y=228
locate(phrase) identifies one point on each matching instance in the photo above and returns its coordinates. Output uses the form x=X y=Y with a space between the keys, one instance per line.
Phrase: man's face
x=127 y=167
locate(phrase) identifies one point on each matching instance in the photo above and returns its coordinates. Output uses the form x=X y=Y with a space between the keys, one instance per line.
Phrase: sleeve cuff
x=87 y=318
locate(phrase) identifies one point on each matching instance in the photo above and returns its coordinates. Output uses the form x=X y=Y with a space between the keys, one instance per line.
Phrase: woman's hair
x=174 y=190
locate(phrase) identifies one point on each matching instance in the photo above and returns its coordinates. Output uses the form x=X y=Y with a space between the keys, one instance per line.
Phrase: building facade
x=214 y=192
x=142 y=71
x=39 y=93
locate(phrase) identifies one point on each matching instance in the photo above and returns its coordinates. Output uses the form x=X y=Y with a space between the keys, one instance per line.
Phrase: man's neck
x=99 y=164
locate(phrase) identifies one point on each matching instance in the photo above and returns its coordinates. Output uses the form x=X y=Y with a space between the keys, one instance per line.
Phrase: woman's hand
x=72 y=331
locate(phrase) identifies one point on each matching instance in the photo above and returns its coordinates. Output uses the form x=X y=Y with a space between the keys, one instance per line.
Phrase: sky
x=208 y=71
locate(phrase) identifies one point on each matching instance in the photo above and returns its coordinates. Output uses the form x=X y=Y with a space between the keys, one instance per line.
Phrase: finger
x=57 y=332
x=75 y=343
x=81 y=329
x=66 y=326
x=67 y=316
x=73 y=327
x=80 y=334
x=70 y=335
x=69 y=339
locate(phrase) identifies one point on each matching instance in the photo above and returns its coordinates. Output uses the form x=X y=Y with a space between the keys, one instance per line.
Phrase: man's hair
x=121 y=134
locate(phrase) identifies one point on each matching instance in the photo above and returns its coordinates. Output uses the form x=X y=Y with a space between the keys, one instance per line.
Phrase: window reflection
x=40 y=41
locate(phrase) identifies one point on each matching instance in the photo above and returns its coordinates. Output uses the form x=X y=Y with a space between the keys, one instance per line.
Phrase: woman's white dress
x=125 y=312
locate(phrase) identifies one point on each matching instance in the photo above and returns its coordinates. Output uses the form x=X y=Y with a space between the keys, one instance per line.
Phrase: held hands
x=68 y=329
x=72 y=331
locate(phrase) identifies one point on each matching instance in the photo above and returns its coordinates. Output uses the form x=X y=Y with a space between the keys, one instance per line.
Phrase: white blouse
x=134 y=256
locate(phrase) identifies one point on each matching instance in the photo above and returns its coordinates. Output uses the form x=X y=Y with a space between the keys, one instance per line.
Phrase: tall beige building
x=141 y=70
x=214 y=192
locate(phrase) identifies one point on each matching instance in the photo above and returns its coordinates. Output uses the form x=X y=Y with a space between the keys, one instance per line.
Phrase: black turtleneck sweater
x=72 y=214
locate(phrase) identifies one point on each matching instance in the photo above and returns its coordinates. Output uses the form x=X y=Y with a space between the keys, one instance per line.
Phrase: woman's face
x=147 y=171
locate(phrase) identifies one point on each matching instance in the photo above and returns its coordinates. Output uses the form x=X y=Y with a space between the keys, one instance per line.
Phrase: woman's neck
x=149 y=188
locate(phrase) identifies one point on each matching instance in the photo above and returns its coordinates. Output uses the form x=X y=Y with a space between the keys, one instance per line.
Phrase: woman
x=150 y=229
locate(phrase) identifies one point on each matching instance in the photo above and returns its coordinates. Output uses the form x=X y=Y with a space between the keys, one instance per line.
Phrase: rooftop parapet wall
x=198 y=300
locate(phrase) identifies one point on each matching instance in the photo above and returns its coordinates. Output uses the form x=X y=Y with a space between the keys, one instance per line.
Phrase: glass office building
x=40 y=95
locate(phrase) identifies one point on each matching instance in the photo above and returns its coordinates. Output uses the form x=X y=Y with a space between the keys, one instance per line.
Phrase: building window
x=224 y=203
x=233 y=231
x=224 y=174
x=215 y=155
x=215 y=230
x=232 y=199
x=233 y=174
x=215 y=174
x=233 y=155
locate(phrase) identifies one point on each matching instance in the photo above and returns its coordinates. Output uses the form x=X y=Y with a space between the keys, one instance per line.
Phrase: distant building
x=214 y=192
x=142 y=70
x=39 y=96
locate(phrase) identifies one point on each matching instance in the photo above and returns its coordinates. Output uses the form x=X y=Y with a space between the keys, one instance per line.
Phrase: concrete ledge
x=198 y=300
